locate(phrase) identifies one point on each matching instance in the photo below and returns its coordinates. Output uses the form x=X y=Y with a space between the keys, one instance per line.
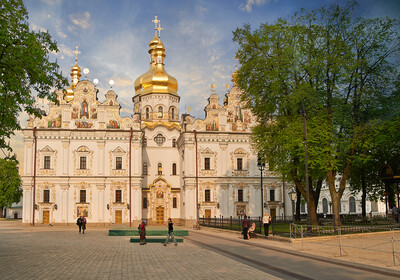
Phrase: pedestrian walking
x=142 y=232
x=79 y=223
x=395 y=212
x=245 y=227
x=83 y=223
x=170 y=233
x=266 y=223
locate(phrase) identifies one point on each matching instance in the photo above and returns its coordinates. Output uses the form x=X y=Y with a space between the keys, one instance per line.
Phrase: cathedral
x=83 y=158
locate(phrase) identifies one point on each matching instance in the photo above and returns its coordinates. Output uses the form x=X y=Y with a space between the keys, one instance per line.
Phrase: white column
x=28 y=162
x=136 y=206
x=64 y=203
x=65 y=157
x=101 y=145
x=27 y=205
x=101 y=203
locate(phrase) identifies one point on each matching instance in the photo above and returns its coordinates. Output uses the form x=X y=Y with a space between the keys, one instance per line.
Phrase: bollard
x=340 y=240
x=394 y=251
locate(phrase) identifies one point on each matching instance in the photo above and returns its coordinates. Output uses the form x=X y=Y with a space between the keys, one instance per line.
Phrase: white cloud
x=36 y=27
x=81 y=20
x=249 y=4
x=51 y=2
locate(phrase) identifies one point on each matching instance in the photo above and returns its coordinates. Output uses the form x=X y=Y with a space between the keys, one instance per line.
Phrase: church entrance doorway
x=46 y=217
x=207 y=214
x=273 y=215
x=118 y=216
x=160 y=215
x=15 y=215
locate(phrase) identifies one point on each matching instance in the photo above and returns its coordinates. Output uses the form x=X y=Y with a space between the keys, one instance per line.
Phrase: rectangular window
x=207 y=197
x=207 y=163
x=239 y=164
x=271 y=195
x=240 y=195
x=46 y=162
x=118 y=163
x=82 y=163
x=118 y=196
x=82 y=196
x=46 y=196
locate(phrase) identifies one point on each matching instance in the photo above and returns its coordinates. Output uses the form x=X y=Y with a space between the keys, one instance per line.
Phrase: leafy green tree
x=10 y=183
x=24 y=67
x=324 y=63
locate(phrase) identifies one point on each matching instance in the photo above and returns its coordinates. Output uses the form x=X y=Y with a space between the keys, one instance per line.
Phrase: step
x=149 y=232
x=156 y=239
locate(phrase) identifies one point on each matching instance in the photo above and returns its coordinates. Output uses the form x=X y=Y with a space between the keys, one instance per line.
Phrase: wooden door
x=160 y=215
x=46 y=217
x=207 y=214
x=273 y=215
x=118 y=216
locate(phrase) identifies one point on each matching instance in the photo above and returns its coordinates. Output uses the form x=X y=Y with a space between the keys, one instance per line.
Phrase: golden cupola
x=75 y=75
x=156 y=80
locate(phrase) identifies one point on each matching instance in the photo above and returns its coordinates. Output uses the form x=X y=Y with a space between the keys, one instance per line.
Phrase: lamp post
x=261 y=166
x=293 y=195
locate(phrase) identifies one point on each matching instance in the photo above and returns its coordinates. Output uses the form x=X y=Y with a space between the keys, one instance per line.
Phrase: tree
x=325 y=63
x=24 y=66
x=10 y=183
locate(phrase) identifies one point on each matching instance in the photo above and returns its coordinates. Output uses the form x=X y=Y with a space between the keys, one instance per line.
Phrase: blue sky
x=113 y=38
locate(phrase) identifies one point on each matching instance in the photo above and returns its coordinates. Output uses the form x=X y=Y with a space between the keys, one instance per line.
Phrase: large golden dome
x=156 y=80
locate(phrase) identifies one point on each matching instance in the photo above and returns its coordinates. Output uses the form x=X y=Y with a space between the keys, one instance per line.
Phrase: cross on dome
x=159 y=28
x=156 y=21
x=76 y=52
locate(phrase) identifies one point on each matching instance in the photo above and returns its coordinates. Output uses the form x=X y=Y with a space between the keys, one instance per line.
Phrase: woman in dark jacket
x=142 y=232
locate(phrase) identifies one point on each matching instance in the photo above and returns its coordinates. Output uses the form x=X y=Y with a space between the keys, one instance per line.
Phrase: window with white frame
x=118 y=155
x=207 y=159
x=83 y=158
x=48 y=157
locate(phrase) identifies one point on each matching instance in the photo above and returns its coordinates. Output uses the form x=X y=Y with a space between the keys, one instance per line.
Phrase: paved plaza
x=63 y=253
x=56 y=252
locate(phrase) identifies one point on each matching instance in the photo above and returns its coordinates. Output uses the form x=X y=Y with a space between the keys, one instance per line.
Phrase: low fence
x=277 y=227
x=283 y=226
x=379 y=246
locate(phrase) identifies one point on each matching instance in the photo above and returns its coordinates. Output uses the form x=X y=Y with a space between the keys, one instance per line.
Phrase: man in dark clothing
x=79 y=223
x=245 y=226
x=170 y=233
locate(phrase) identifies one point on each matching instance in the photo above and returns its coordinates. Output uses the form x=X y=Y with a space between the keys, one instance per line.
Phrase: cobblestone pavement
x=47 y=252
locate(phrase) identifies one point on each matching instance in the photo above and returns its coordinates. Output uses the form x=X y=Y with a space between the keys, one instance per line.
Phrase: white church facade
x=83 y=158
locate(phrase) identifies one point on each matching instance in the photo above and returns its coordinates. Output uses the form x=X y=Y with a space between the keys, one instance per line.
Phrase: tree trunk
x=364 y=194
x=298 y=203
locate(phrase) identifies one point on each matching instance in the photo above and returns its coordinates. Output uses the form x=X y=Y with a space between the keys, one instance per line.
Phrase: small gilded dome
x=156 y=80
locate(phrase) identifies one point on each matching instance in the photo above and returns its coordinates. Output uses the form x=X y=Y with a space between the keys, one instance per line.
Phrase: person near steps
x=266 y=222
x=170 y=233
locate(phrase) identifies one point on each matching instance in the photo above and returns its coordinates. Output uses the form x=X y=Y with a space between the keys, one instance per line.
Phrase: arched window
x=174 y=142
x=159 y=169
x=172 y=113
x=174 y=204
x=160 y=112
x=145 y=168
x=325 y=206
x=147 y=113
x=174 y=169
x=352 y=204
x=144 y=202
